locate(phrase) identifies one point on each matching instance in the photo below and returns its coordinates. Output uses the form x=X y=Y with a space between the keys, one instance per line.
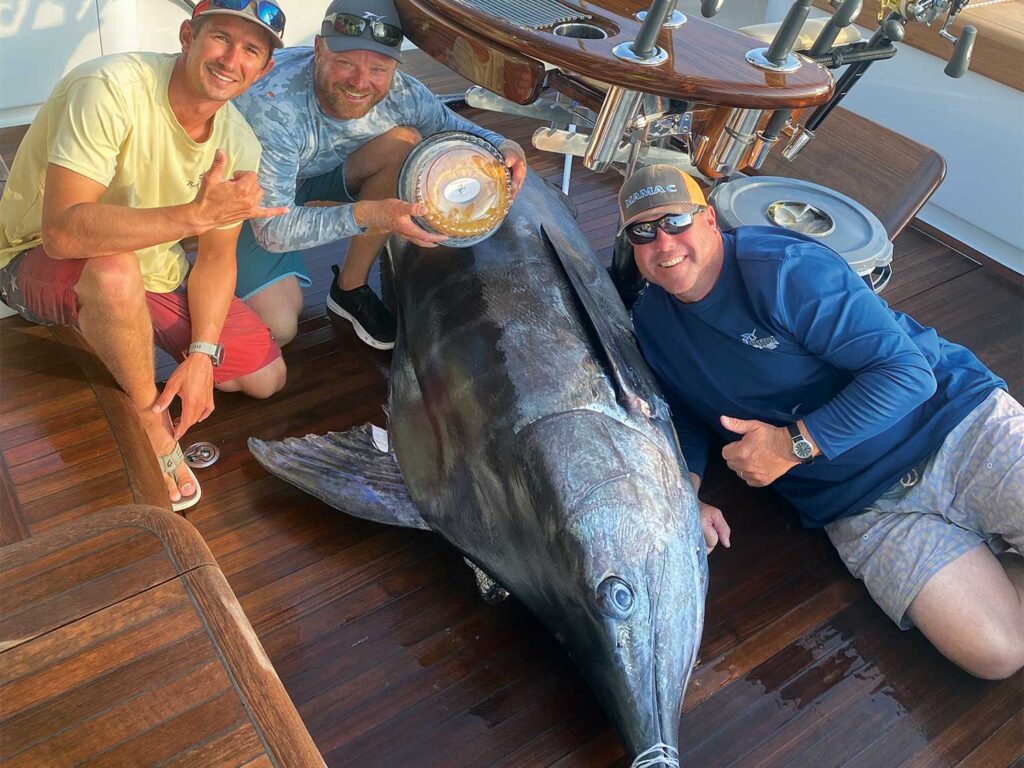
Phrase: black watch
x=801 y=448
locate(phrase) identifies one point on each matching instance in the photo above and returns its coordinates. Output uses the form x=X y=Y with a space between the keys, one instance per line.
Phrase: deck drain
x=200 y=455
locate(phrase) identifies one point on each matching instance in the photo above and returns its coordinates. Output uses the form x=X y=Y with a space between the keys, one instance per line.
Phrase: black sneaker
x=361 y=307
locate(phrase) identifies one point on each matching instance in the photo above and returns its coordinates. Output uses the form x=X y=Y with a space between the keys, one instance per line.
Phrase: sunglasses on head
x=353 y=26
x=265 y=10
x=643 y=232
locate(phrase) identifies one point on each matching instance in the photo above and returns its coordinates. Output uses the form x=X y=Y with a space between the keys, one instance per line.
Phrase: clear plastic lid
x=464 y=184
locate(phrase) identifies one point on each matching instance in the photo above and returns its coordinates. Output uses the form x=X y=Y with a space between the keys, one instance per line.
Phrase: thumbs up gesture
x=763 y=454
x=221 y=201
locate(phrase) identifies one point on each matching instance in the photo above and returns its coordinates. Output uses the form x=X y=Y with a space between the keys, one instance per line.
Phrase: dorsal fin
x=611 y=326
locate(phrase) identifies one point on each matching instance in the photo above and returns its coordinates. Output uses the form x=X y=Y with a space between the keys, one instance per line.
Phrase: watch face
x=802 y=449
x=462 y=182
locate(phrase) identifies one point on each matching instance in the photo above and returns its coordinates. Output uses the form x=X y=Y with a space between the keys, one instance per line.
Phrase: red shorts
x=42 y=290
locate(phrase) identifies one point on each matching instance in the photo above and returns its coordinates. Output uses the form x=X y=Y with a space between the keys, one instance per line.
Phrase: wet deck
x=390 y=657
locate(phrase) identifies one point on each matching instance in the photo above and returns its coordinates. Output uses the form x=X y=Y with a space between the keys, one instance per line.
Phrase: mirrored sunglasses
x=643 y=232
x=354 y=26
x=265 y=10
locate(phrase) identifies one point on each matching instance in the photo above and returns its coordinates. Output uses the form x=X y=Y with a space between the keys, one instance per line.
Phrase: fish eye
x=615 y=598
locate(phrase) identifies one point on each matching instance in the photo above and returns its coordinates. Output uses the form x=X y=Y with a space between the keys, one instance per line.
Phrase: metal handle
x=960 y=61
x=709 y=8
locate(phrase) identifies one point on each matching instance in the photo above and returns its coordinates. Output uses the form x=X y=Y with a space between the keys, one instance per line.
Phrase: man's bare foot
x=161 y=436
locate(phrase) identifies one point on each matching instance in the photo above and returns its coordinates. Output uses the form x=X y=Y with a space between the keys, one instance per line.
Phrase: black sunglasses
x=354 y=26
x=266 y=11
x=643 y=232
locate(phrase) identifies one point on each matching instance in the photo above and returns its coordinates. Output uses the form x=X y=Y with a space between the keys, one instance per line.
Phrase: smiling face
x=222 y=56
x=350 y=83
x=686 y=265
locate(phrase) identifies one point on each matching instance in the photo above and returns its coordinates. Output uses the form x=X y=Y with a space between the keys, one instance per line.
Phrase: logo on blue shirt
x=751 y=340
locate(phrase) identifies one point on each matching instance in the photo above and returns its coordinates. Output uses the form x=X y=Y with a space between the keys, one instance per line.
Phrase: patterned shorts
x=969 y=492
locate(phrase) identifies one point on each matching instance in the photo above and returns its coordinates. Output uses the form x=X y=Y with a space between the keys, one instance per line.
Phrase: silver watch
x=215 y=351
x=802 y=449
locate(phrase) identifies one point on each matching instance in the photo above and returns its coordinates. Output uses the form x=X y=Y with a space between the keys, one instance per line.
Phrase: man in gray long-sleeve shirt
x=336 y=123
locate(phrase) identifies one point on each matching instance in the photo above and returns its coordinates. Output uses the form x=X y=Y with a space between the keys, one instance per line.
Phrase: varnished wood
x=577 y=90
x=706 y=62
x=484 y=62
x=970 y=252
x=50 y=581
x=998 y=49
x=889 y=174
x=122 y=644
x=251 y=671
x=12 y=521
x=146 y=483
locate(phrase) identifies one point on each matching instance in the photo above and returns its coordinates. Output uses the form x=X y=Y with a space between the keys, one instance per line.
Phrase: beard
x=333 y=99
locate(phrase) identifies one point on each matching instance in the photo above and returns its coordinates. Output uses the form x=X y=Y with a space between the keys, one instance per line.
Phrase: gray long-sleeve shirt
x=300 y=142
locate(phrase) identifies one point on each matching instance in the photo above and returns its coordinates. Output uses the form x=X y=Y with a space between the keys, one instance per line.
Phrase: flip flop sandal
x=169 y=466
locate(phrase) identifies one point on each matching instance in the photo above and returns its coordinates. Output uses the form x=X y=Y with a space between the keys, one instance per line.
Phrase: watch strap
x=214 y=351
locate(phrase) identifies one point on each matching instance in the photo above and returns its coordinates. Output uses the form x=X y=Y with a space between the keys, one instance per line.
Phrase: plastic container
x=463 y=182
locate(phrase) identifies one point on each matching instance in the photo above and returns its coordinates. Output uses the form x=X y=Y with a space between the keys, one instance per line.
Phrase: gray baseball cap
x=363 y=25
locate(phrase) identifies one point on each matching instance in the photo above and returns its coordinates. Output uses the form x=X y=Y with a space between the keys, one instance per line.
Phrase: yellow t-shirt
x=109 y=119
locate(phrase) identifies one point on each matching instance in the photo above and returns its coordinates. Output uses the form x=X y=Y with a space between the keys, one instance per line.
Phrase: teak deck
x=378 y=634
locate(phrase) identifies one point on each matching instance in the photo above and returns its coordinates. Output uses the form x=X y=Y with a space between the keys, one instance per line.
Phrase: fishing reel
x=927 y=12
x=893 y=15
x=924 y=11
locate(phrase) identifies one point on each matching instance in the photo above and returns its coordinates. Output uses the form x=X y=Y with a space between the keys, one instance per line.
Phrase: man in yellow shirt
x=131 y=154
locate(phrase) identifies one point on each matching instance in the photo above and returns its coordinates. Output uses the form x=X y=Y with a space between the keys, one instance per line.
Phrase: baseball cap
x=266 y=13
x=656 y=190
x=363 y=25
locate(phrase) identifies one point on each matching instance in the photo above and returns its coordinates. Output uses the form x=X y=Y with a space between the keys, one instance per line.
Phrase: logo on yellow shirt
x=195 y=185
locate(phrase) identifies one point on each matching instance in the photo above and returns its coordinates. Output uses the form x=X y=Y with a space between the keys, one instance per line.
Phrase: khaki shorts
x=970 y=492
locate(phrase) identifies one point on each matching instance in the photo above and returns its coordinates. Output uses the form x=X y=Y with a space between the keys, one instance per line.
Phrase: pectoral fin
x=350 y=471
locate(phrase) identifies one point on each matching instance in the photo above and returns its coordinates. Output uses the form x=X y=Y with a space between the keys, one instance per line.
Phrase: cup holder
x=580 y=31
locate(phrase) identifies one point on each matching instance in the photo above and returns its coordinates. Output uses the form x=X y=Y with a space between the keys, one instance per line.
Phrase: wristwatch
x=215 y=351
x=801 y=448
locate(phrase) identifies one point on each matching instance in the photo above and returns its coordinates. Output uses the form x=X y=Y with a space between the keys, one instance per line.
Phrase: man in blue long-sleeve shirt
x=902 y=445
x=336 y=122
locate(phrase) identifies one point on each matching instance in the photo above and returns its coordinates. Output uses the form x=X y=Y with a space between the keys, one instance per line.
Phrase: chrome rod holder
x=617 y=112
x=759 y=58
x=674 y=21
x=624 y=51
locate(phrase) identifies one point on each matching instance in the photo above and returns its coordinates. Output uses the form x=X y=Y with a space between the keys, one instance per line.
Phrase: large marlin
x=526 y=430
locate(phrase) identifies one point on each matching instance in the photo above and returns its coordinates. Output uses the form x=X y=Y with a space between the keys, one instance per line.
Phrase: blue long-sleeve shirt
x=300 y=142
x=790 y=332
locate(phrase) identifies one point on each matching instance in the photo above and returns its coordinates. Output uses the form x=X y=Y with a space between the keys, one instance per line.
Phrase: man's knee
x=283 y=329
x=267 y=381
x=113 y=282
x=1001 y=655
x=278 y=307
x=397 y=144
